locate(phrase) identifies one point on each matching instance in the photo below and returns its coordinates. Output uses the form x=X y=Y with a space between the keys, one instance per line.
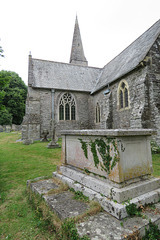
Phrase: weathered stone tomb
x=111 y=166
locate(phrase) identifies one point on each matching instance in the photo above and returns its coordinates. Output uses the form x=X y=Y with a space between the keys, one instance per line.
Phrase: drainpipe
x=52 y=113
x=53 y=143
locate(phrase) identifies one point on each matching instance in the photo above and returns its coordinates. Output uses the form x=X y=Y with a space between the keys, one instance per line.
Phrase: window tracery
x=67 y=107
x=123 y=95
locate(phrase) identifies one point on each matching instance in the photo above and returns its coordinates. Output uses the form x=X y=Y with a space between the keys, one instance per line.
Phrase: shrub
x=155 y=148
x=5 y=117
x=153 y=233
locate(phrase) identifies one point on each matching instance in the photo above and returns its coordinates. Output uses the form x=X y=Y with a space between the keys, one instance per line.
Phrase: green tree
x=3 y=81
x=14 y=97
x=5 y=117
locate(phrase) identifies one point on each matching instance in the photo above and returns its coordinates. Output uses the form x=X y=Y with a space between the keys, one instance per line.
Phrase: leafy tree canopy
x=5 y=117
x=4 y=80
x=14 y=95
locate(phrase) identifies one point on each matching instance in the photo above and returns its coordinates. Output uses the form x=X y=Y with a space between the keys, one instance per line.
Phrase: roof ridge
x=131 y=43
x=70 y=64
x=129 y=58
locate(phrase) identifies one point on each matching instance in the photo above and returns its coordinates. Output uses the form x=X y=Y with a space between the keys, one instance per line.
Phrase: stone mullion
x=69 y=111
x=64 y=111
x=123 y=99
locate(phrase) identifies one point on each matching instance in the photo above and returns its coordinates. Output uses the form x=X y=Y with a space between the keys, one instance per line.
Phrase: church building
x=124 y=94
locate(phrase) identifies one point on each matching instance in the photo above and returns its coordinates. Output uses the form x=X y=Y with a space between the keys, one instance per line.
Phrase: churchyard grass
x=156 y=164
x=18 y=163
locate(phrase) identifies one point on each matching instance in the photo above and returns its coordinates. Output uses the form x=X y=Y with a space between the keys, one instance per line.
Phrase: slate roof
x=129 y=58
x=64 y=76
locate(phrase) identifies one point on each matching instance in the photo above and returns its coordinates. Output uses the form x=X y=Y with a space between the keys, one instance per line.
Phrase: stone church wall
x=111 y=115
x=144 y=98
x=45 y=108
x=82 y=113
x=31 y=120
x=153 y=79
x=143 y=110
x=39 y=113
x=105 y=111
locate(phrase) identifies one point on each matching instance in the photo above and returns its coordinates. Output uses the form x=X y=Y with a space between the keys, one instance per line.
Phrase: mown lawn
x=18 y=163
x=156 y=164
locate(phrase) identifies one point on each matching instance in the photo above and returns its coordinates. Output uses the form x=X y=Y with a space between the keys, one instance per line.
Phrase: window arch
x=67 y=107
x=98 y=113
x=123 y=95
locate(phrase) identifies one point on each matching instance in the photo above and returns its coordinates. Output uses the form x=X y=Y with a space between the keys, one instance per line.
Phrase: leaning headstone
x=45 y=134
x=8 y=129
x=16 y=127
x=13 y=127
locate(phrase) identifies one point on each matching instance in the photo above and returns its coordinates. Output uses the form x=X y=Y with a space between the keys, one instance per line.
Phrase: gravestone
x=8 y=129
x=16 y=127
x=111 y=166
x=45 y=134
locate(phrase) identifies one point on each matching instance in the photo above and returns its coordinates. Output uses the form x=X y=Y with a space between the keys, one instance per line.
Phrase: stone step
x=112 y=207
x=101 y=226
x=108 y=189
x=63 y=203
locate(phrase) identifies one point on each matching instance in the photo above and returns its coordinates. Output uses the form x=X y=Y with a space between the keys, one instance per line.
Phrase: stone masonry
x=138 y=66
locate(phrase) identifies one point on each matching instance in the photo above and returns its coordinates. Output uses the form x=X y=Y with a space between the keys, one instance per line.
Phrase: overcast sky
x=45 y=27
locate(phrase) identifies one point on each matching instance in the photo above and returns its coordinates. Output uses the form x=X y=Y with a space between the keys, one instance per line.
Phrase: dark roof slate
x=129 y=58
x=64 y=76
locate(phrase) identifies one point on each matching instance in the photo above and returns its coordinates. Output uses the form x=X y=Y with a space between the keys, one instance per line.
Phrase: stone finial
x=77 y=54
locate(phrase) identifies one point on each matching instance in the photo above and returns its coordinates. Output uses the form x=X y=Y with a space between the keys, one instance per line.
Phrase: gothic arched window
x=123 y=95
x=98 y=114
x=67 y=108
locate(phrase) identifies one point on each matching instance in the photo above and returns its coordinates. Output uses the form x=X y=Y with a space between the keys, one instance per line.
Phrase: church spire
x=77 y=54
